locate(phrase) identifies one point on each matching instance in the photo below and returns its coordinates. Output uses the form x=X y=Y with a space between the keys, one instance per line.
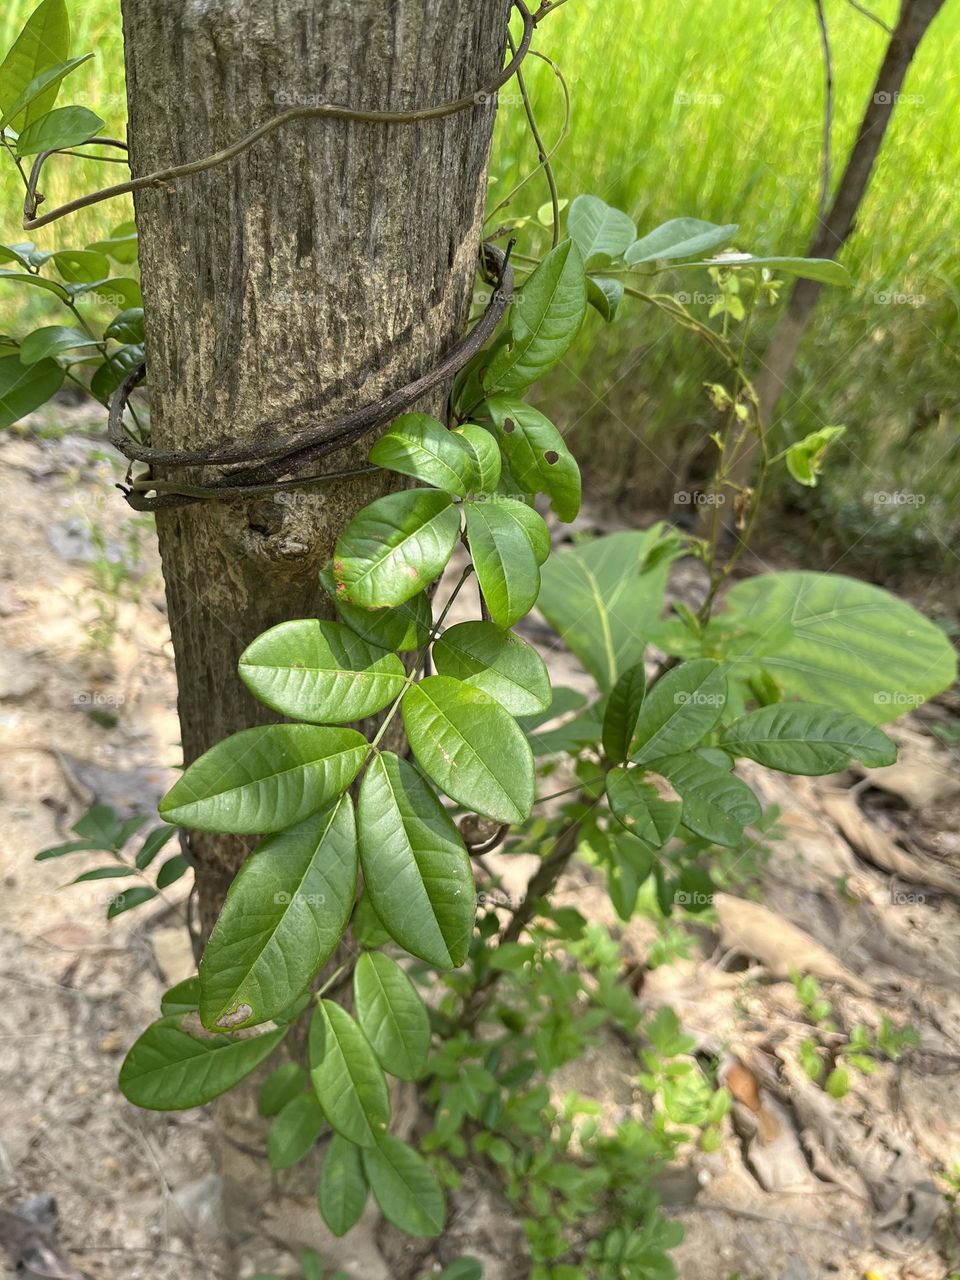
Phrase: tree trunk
x=333 y=261
x=834 y=230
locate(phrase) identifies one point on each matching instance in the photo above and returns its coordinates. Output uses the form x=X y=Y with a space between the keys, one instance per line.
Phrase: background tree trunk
x=835 y=228
x=334 y=260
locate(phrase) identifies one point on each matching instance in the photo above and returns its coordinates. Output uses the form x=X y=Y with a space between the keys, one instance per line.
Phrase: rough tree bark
x=835 y=228
x=334 y=260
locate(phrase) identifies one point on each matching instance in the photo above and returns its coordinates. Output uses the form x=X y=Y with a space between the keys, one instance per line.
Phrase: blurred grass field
x=714 y=111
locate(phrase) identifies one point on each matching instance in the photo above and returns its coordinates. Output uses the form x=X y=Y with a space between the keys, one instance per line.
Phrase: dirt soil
x=863 y=889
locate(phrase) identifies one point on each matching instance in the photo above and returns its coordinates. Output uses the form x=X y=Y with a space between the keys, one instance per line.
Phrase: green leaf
x=680 y=710
x=467 y=1268
x=100 y=823
x=420 y=446
x=129 y=899
x=284 y=914
x=320 y=671
x=19 y=253
x=294 y=1131
x=717 y=805
x=114 y=369
x=184 y=997
x=64 y=127
x=392 y=1015
x=395 y=547
x=415 y=867
x=799 y=737
x=604 y=598
x=404 y=1187
x=605 y=294
x=638 y=807
x=72 y=846
x=121 y=244
x=496 y=661
x=539 y=459
x=265 y=779
x=598 y=228
x=398 y=630
x=471 y=748
x=623 y=708
x=343 y=1186
x=486 y=456
x=111 y=291
x=105 y=873
x=837 y=1083
x=37 y=97
x=24 y=388
x=126 y=326
x=805 y=457
x=824 y=270
x=680 y=238
x=346 y=1075
x=51 y=340
x=169 y=1069
x=843 y=643
x=172 y=870
x=281 y=1086
x=544 y=320
x=81 y=266
x=154 y=842
x=508 y=543
x=36 y=282
x=43 y=42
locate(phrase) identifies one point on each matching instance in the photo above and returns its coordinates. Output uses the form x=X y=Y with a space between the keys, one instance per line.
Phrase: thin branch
x=542 y=155
x=824 y=204
x=872 y=16
x=319 y=111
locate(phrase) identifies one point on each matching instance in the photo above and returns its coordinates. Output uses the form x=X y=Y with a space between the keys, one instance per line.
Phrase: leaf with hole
x=346 y=1075
x=24 y=388
x=508 y=543
x=284 y=914
x=638 y=806
x=419 y=446
x=544 y=320
x=404 y=1187
x=392 y=1015
x=470 y=747
x=842 y=643
x=680 y=710
x=169 y=1069
x=265 y=778
x=717 y=805
x=539 y=459
x=798 y=737
x=415 y=867
x=598 y=228
x=395 y=547
x=496 y=661
x=343 y=1186
x=320 y=671
x=294 y=1131
x=680 y=238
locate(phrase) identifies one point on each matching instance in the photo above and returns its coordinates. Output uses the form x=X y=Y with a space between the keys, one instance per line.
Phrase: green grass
x=712 y=111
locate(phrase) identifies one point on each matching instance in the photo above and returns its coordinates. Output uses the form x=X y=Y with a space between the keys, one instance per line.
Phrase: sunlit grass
x=711 y=110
